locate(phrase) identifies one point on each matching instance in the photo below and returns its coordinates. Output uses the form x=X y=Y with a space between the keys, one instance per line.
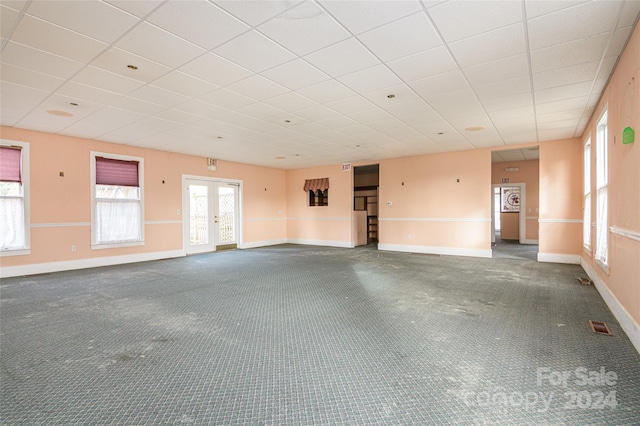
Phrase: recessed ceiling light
x=475 y=128
x=133 y=67
x=60 y=113
x=73 y=104
x=441 y=133
x=280 y=158
x=391 y=96
x=287 y=121
x=357 y=146
x=219 y=137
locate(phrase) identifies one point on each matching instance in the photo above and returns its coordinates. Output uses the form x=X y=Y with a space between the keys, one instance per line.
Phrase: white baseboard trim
x=530 y=242
x=68 y=265
x=449 y=251
x=628 y=324
x=264 y=243
x=328 y=243
x=573 y=259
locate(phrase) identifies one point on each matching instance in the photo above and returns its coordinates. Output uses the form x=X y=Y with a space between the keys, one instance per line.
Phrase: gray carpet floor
x=313 y=335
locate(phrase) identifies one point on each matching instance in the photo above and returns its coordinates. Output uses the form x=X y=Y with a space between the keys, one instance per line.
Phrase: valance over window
x=316 y=184
x=10 y=159
x=116 y=172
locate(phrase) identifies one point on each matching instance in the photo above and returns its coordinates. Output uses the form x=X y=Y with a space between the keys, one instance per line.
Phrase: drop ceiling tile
x=359 y=17
x=403 y=37
x=563 y=76
x=412 y=106
x=442 y=83
x=512 y=101
x=51 y=38
x=316 y=113
x=137 y=106
x=573 y=116
x=88 y=93
x=140 y=129
x=570 y=53
x=327 y=91
x=563 y=92
x=618 y=41
x=30 y=78
x=158 y=96
x=629 y=14
x=370 y=115
x=505 y=115
x=178 y=116
x=424 y=64
x=137 y=8
x=17 y=101
x=258 y=88
x=459 y=19
x=497 y=71
x=561 y=105
x=184 y=84
x=158 y=45
x=304 y=29
x=501 y=89
x=200 y=108
x=295 y=74
x=105 y=80
x=42 y=121
x=290 y=102
x=490 y=46
x=556 y=134
x=400 y=93
x=261 y=111
x=215 y=70
x=94 y=19
x=456 y=104
x=116 y=60
x=308 y=128
x=8 y=17
x=539 y=8
x=102 y=122
x=417 y=118
x=342 y=58
x=226 y=99
x=583 y=20
x=337 y=122
x=255 y=52
x=193 y=22
x=350 y=105
x=255 y=12
x=370 y=79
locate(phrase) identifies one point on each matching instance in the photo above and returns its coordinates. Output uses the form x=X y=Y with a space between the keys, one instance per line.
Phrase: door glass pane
x=227 y=211
x=199 y=215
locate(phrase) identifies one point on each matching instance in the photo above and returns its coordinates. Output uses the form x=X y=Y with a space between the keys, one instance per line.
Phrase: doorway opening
x=211 y=214
x=514 y=203
x=365 y=204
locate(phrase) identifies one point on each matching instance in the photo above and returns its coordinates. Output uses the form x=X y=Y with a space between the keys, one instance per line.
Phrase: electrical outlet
x=73 y=248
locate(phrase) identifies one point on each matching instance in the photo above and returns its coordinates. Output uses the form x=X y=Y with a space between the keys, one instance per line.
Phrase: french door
x=211 y=215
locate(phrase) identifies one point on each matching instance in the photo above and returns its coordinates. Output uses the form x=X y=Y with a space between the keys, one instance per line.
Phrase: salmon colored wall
x=621 y=97
x=61 y=206
x=430 y=207
x=530 y=176
x=330 y=224
x=560 y=197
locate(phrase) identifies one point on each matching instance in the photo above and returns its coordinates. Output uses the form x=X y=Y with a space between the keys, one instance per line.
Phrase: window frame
x=587 y=198
x=602 y=187
x=319 y=198
x=95 y=245
x=26 y=198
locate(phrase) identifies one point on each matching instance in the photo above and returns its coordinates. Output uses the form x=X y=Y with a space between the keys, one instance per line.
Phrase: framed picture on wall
x=510 y=199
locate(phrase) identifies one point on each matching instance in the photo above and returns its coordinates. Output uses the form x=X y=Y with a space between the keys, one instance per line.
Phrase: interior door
x=211 y=210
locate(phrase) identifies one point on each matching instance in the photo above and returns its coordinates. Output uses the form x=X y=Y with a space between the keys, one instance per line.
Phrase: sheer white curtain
x=118 y=220
x=11 y=223
x=602 y=225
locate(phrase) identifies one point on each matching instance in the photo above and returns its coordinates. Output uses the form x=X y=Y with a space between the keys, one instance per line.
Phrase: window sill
x=602 y=266
x=14 y=252
x=116 y=245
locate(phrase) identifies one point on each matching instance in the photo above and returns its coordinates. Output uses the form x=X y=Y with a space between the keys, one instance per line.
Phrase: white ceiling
x=254 y=81
x=509 y=155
